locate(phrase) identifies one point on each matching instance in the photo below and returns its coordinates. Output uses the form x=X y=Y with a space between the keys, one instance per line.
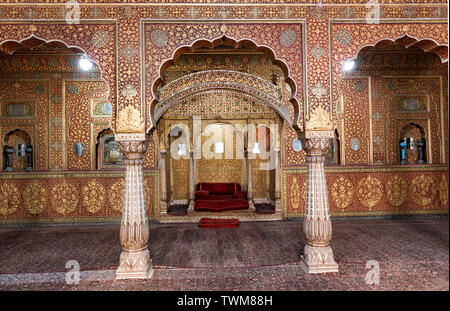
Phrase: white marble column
x=318 y=255
x=163 y=170
x=135 y=262
x=191 y=181
x=251 y=204
x=278 y=208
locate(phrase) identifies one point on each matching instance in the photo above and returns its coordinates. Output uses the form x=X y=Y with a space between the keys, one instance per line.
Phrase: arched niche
x=17 y=149
x=247 y=83
x=107 y=150
x=55 y=69
x=392 y=83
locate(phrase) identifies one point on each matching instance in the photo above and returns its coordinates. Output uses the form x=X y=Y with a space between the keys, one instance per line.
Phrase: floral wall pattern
x=130 y=43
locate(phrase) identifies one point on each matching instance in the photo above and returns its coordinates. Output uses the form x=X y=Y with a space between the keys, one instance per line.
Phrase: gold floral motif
x=116 y=194
x=35 y=198
x=65 y=198
x=396 y=190
x=130 y=121
x=295 y=193
x=423 y=190
x=443 y=194
x=319 y=120
x=93 y=196
x=342 y=192
x=370 y=191
x=9 y=199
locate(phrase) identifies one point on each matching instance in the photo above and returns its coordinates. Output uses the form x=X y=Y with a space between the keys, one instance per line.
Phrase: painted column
x=317 y=255
x=251 y=204
x=135 y=262
x=277 y=181
x=191 y=180
x=162 y=162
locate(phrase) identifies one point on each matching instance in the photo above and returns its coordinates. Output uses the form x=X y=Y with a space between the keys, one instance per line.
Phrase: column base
x=134 y=265
x=278 y=206
x=317 y=259
x=191 y=205
x=163 y=208
x=251 y=205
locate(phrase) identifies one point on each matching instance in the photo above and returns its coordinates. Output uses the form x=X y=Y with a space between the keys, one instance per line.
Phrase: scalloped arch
x=205 y=43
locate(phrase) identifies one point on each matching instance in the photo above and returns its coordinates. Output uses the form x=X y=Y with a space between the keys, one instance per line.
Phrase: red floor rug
x=218 y=223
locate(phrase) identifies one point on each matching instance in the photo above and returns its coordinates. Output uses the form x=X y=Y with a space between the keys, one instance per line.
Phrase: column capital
x=133 y=147
x=316 y=142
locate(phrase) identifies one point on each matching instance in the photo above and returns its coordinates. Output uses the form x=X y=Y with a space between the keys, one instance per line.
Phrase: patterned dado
x=362 y=191
x=70 y=197
x=299 y=46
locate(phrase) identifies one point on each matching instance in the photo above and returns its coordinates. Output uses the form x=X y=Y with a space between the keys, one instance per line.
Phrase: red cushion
x=219 y=188
x=240 y=194
x=220 y=205
x=203 y=194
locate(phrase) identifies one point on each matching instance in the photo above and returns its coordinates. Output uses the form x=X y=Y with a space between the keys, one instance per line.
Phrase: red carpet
x=218 y=223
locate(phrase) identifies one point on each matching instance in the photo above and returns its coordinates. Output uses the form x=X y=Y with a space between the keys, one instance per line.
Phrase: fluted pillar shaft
x=134 y=230
x=277 y=181
x=191 y=180
x=318 y=255
x=162 y=160
x=251 y=204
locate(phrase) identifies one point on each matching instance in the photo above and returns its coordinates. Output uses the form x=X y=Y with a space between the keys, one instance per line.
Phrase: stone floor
x=412 y=254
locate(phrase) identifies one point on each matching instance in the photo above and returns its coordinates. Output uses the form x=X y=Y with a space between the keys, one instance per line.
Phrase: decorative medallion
x=78 y=149
x=348 y=12
x=72 y=89
x=129 y=52
x=440 y=12
x=317 y=52
x=56 y=98
x=286 y=11
x=100 y=38
x=39 y=89
x=116 y=193
x=422 y=190
x=378 y=116
x=56 y=121
x=376 y=94
x=29 y=12
x=129 y=92
x=35 y=198
x=360 y=86
x=443 y=193
x=433 y=85
x=223 y=12
x=409 y=12
x=297 y=145
x=9 y=199
x=192 y=12
x=93 y=196
x=355 y=144
x=370 y=191
x=378 y=140
x=344 y=37
x=396 y=189
x=254 y=12
x=160 y=11
x=391 y=85
x=295 y=193
x=159 y=37
x=342 y=192
x=319 y=91
x=64 y=198
x=95 y=12
x=288 y=37
x=128 y=11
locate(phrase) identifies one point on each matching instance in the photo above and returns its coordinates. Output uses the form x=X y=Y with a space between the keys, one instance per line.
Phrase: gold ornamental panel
x=423 y=189
x=35 y=198
x=9 y=199
x=64 y=197
x=396 y=189
x=342 y=192
x=370 y=191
